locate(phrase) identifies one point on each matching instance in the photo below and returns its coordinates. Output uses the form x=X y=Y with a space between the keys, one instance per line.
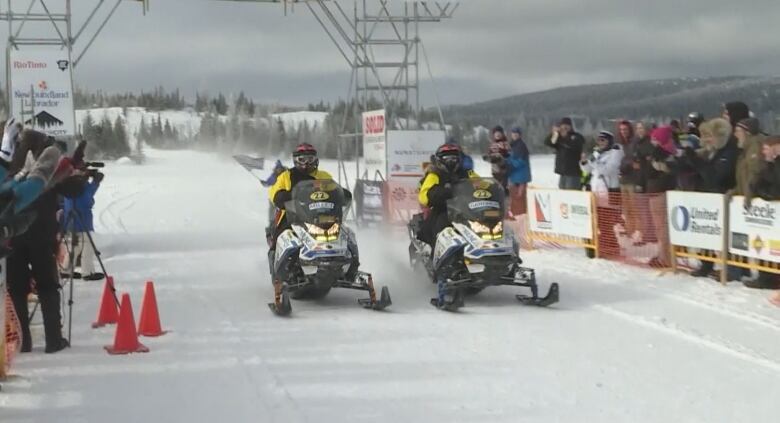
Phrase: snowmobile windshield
x=318 y=202
x=478 y=199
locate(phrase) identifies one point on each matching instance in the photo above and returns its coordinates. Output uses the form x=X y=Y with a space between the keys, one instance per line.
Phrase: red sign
x=374 y=123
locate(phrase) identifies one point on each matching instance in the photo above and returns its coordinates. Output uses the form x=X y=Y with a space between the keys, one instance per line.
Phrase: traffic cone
x=126 y=338
x=149 y=323
x=108 y=314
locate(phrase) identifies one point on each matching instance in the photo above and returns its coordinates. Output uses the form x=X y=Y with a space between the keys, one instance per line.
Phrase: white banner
x=696 y=220
x=755 y=232
x=561 y=212
x=375 y=143
x=44 y=73
x=409 y=152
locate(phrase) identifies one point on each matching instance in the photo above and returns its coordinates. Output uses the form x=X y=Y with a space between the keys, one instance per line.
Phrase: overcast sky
x=492 y=48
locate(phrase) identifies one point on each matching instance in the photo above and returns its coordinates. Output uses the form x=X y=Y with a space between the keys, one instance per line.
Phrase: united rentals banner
x=755 y=231
x=42 y=90
x=375 y=143
x=696 y=220
x=557 y=212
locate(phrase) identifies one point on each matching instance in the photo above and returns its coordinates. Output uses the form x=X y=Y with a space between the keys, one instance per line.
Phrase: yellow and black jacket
x=432 y=192
x=281 y=191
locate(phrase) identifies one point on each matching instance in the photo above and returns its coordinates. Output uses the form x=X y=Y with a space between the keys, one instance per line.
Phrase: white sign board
x=374 y=143
x=409 y=152
x=696 y=220
x=557 y=212
x=755 y=232
x=44 y=74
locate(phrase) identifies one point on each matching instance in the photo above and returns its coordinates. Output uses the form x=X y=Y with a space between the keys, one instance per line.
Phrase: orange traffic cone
x=108 y=313
x=149 y=323
x=126 y=338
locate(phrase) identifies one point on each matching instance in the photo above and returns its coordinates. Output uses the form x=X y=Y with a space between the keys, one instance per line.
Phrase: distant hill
x=597 y=106
x=668 y=97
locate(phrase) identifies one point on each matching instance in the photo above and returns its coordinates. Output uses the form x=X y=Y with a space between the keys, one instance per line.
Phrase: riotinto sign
x=697 y=220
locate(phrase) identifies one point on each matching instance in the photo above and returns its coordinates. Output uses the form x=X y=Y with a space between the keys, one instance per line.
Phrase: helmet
x=305 y=158
x=448 y=158
x=695 y=119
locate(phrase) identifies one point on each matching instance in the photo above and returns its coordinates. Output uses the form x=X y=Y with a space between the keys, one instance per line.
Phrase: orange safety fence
x=11 y=339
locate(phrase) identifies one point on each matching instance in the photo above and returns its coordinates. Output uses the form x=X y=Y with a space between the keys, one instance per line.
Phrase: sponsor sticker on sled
x=482 y=194
x=484 y=205
x=321 y=206
x=319 y=196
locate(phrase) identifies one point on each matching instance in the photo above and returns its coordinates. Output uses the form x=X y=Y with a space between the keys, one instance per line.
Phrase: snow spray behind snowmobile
x=318 y=252
x=474 y=252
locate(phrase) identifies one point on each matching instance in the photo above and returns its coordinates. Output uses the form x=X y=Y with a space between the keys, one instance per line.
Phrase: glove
x=9 y=140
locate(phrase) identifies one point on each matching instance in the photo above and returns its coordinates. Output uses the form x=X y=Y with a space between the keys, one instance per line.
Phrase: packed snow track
x=623 y=345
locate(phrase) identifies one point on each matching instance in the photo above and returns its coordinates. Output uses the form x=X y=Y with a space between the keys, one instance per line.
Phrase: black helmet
x=305 y=158
x=695 y=119
x=448 y=158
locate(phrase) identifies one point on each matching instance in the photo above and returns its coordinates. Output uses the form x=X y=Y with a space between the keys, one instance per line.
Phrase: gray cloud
x=492 y=48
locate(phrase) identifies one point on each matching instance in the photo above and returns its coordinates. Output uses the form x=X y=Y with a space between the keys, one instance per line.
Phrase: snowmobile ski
x=552 y=297
x=281 y=305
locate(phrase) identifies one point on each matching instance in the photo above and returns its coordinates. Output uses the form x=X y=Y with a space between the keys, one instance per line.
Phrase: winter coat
x=77 y=212
x=604 y=168
x=661 y=176
x=498 y=153
x=717 y=168
x=568 y=151
x=519 y=163
x=749 y=164
x=766 y=184
x=467 y=163
x=636 y=163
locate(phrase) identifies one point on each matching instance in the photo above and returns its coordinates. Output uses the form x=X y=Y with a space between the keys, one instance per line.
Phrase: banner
x=409 y=152
x=44 y=74
x=402 y=202
x=755 y=232
x=696 y=220
x=375 y=143
x=369 y=204
x=559 y=212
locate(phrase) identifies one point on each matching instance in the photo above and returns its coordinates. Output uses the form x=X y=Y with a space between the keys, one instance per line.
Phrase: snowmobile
x=316 y=253
x=474 y=252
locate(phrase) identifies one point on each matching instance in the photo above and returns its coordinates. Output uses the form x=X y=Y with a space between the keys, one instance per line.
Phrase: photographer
x=39 y=174
x=77 y=220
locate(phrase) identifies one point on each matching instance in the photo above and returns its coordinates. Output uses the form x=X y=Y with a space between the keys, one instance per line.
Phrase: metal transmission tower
x=50 y=23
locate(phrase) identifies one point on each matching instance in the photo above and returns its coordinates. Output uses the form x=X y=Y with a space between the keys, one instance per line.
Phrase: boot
x=22 y=313
x=764 y=281
x=52 y=321
x=703 y=271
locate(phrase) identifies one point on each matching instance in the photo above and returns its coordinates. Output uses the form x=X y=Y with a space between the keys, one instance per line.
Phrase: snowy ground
x=624 y=344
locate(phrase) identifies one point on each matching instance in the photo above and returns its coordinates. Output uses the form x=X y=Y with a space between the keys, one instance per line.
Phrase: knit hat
x=750 y=125
x=566 y=121
x=517 y=130
x=609 y=136
x=498 y=128
x=664 y=136
x=737 y=111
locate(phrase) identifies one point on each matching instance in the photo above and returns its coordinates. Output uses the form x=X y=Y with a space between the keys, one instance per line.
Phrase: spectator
x=766 y=185
x=661 y=178
x=277 y=170
x=625 y=134
x=77 y=220
x=604 y=168
x=498 y=153
x=735 y=111
x=633 y=177
x=750 y=160
x=716 y=165
x=568 y=147
x=519 y=170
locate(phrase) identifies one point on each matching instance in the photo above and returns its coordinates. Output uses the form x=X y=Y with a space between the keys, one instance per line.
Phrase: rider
x=305 y=168
x=446 y=169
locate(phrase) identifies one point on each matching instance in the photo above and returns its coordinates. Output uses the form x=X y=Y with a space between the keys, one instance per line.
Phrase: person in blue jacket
x=77 y=221
x=519 y=173
x=278 y=169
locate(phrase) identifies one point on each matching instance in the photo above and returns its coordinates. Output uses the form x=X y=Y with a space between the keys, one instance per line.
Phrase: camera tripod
x=70 y=241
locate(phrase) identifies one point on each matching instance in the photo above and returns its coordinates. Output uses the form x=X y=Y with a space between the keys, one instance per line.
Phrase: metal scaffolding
x=36 y=23
x=380 y=42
